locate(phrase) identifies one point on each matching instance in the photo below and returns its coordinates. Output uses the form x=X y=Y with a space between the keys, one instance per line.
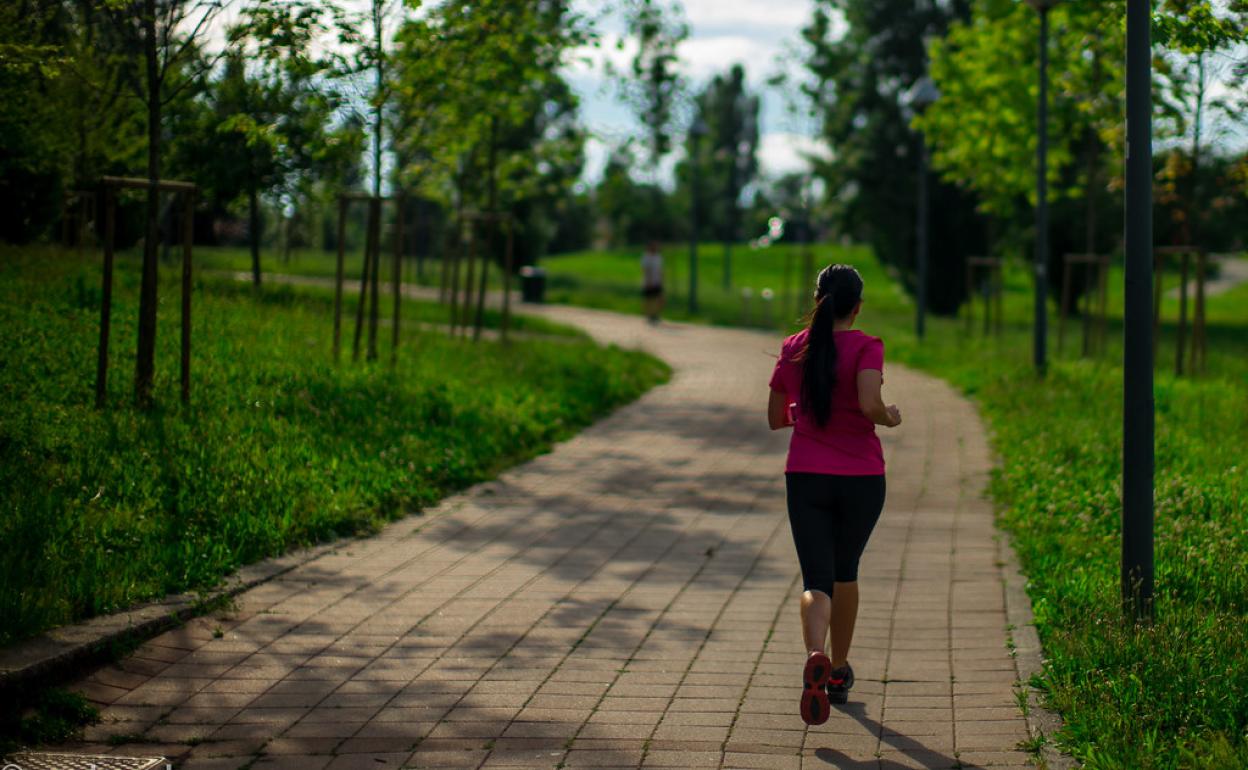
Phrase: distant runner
x=652 y=281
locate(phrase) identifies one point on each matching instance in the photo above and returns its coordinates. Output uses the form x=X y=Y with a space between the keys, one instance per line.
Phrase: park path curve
x=627 y=600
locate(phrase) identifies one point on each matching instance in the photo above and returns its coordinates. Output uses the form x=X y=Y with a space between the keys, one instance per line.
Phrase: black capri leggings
x=831 y=518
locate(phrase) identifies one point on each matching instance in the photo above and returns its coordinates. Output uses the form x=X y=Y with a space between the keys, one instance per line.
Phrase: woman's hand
x=778 y=415
x=894 y=415
x=871 y=402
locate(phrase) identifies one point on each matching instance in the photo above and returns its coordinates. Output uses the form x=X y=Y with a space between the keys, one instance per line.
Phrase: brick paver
x=628 y=600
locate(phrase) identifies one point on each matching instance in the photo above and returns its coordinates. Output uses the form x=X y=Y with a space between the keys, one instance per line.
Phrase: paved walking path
x=1233 y=271
x=628 y=600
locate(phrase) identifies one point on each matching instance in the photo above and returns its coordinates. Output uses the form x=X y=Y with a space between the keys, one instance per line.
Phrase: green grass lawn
x=308 y=261
x=300 y=261
x=423 y=314
x=609 y=280
x=103 y=509
x=612 y=280
x=215 y=263
x=1173 y=695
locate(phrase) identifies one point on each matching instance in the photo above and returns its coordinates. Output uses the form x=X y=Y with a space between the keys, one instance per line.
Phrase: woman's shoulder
x=869 y=352
x=794 y=342
x=867 y=340
x=866 y=350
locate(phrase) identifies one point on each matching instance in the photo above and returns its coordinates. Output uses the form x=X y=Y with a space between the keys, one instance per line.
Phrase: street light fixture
x=696 y=133
x=1042 y=188
x=922 y=94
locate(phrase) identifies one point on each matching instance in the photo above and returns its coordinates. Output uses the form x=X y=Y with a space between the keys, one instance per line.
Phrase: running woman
x=826 y=386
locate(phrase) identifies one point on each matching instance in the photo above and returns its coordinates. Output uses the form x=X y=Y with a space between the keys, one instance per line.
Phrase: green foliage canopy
x=982 y=129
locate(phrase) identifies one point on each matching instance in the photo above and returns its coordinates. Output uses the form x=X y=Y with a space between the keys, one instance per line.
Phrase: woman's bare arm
x=871 y=401
x=777 y=407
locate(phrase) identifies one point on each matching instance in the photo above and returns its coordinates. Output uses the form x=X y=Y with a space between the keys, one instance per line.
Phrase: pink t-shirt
x=847 y=445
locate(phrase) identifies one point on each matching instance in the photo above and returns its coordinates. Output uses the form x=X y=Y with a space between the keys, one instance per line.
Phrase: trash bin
x=532 y=284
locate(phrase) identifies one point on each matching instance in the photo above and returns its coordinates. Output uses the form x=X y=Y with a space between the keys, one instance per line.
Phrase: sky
x=762 y=35
x=754 y=33
x=759 y=34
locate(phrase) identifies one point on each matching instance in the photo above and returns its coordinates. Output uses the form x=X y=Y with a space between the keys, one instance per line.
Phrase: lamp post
x=1042 y=188
x=1137 y=386
x=696 y=132
x=922 y=95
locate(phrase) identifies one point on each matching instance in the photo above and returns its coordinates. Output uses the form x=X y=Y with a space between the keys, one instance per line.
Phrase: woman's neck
x=843 y=326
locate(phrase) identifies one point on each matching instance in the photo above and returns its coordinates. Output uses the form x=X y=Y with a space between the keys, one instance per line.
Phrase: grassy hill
x=278 y=448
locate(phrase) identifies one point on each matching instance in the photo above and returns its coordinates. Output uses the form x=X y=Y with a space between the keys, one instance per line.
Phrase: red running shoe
x=839 y=682
x=814 y=697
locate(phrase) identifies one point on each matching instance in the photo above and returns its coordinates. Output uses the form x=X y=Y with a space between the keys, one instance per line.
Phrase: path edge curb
x=1028 y=656
x=56 y=654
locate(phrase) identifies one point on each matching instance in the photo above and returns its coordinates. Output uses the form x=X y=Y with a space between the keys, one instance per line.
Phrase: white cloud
x=781 y=152
x=705 y=56
x=722 y=33
x=596 y=152
x=782 y=16
x=613 y=49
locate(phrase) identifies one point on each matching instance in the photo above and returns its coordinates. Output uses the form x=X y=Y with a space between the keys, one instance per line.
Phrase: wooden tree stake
x=342 y=232
x=188 y=240
x=106 y=303
x=398 y=278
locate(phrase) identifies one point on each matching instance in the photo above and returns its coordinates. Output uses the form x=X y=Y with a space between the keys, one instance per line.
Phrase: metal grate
x=43 y=761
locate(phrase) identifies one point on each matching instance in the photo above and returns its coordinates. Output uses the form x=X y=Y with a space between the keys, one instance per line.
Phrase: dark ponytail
x=838 y=290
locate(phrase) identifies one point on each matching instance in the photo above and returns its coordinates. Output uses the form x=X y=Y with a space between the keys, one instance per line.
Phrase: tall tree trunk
x=730 y=220
x=375 y=255
x=379 y=71
x=493 y=224
x=80 y=162
x=144 y=368
x=1093 y=188
x=1094 y=157
x=374 y=223
x=1194 y=204
x=253 y=232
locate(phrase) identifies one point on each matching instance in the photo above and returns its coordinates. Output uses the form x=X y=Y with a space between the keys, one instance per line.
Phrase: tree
x=787 y=197
x=235 y=151
x=163 y=35
x=629 y=207
x=490 y=119
x=859 y=74
x=653 y=86
x=106 y=125
x=267 y=121
x=616 y=195
x=64 y=118
x=573 y=222
x=982 y=129
x=731 y=115
x=31 y=167
x=373 y=57
x=1200 y=39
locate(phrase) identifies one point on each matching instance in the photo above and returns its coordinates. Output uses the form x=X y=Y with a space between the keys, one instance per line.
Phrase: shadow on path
x=915 y=752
